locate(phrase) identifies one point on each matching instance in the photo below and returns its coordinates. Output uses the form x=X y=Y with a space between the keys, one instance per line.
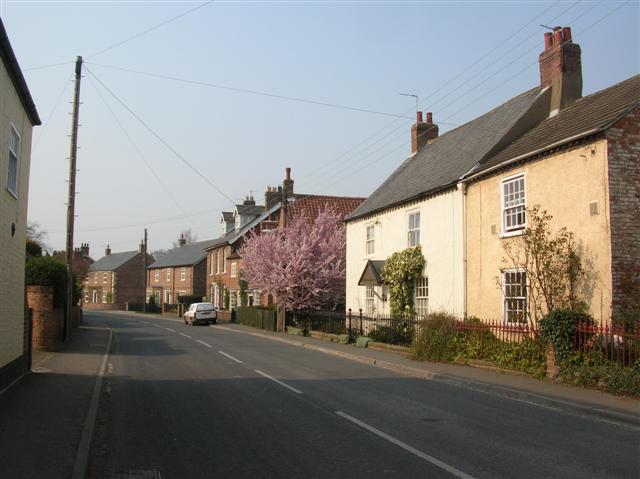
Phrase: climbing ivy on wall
x=400 y=272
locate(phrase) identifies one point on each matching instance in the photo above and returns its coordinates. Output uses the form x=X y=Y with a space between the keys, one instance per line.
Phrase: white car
x=200 y=313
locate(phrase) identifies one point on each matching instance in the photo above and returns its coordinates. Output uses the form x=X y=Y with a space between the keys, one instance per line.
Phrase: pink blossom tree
x=303 y=265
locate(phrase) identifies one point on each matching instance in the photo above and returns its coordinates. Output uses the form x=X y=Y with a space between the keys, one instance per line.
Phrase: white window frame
x=95 y=278
x=183 y=274
x=505 y=308
x=421 y=296
x=413 y=234
x=369 y=301
x=16 y=154
x=519 y=229
x=168 y=274
x=156 y=276
x=233 y=299
x=211 y=263
x=370 y=239
x=105 y=278
x=168 y=296
x=234 y=269
x=104 y=297
x=224 y=261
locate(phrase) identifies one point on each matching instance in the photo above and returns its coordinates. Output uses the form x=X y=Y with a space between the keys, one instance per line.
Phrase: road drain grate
x=137 y=474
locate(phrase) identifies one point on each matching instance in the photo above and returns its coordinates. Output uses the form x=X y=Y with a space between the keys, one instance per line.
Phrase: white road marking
x=203 y=343
x=297 y=391
x=230 y=357
x=185 y=335
x=452 y=470
x=82 y=454
x=169 y=329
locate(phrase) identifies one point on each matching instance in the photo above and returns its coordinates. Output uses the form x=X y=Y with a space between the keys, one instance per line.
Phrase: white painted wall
x=441 y=238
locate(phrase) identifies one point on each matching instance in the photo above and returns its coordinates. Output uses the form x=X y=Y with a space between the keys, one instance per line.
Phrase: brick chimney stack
x=561 y=68
x=271 y=197
x=423 y=132
x=287 y=184
x=84 y=249
x=107 y=251
x=182 y=241
x=141 y=247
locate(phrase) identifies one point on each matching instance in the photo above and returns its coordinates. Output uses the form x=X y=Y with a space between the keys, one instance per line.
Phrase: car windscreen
x=205 y=307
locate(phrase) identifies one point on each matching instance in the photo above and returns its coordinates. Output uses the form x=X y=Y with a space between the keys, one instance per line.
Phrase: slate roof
x=113 y=261
x=187 y=255
x=312 y=205
x=372 y=273
x=234 y=235
x=442 y=163
x=15 y=73
x=249 y=209
x=588 y=115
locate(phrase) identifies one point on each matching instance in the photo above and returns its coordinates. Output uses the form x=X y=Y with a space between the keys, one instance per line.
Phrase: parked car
x=200 y=313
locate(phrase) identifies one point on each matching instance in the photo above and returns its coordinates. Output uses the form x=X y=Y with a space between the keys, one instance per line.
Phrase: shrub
x=436 y=338
x=189 y=299
x=47 y=271
x=594 y=370
x=398 y=333
x=560 y=327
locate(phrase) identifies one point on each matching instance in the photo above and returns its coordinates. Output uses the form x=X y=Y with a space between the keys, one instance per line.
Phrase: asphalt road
x=198 y=402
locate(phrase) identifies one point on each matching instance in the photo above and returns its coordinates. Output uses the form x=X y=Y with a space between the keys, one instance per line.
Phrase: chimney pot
x=557 y=36
x=107 y=251
x=566 y=34
x=548 y=40
x=429 y=117
x=418 y=117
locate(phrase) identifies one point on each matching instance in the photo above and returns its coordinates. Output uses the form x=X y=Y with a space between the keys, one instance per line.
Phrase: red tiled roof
x=312 y=205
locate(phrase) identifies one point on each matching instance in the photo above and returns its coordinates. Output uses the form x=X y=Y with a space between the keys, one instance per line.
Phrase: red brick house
x=81 y=260
x=181 y=272
x=115 y=279
x=281 y=205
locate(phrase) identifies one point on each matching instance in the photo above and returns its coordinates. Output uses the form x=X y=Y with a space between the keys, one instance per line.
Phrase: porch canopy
x=372 y=273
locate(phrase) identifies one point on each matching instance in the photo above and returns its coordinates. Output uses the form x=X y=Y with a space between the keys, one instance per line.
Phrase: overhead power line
x=250 y=92
x=441 y=88
x=139 y=152
x=324 y=183
x=149 y=30
x=161 y=139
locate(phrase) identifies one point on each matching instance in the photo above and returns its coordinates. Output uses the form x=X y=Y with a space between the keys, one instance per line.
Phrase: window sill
x=12 y=193
x=509 y=234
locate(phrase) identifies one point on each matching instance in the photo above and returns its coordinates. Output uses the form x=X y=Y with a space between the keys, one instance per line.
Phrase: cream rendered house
x=581 y=164
x=422 y=202
x=18 y=116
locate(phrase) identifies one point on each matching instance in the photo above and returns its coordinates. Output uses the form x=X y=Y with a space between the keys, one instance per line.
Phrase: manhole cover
x=138 y=474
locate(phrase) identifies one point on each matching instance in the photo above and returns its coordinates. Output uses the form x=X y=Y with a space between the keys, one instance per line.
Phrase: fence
x=257 y=317
x=615 y=343
x=323 y=321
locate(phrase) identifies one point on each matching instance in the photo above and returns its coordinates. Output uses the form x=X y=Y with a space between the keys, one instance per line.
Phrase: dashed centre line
x=422 y=455
x=290 y=388
x=169 y=329
x=204 y=344
x=185 y=335
x=230 y=357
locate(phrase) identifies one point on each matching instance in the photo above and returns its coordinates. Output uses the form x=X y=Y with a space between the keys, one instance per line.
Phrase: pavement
x=43 y=416
x=230 y=401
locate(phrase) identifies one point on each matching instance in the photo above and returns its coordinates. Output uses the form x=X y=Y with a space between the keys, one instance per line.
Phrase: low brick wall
x=46 y=323
x=224 y=316
x=104 y=306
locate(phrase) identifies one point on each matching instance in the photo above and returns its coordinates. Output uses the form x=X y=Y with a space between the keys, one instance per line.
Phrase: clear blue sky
x=461 y=58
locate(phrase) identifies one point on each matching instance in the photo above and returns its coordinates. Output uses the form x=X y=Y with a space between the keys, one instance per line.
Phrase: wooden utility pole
x=144 y=262
x=72 y=198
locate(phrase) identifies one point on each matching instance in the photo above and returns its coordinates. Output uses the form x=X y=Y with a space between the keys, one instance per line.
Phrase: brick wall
x=46 y=324
x=194 y=283
x=623 y=153
x=129 y=281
